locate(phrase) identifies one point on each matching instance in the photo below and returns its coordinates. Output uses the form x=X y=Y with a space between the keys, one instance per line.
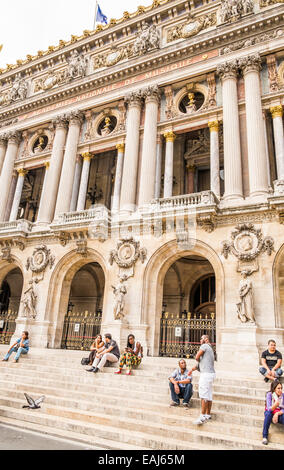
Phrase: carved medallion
x=247 y=243
x=40 y=259
x=127 y=253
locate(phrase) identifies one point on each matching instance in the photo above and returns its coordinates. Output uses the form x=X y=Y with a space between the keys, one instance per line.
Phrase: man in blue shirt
x=20 y=347
x=180 y=385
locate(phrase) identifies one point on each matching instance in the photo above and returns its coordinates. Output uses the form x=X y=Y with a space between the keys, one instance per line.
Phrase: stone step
x=69 y=372
x=250 y=429
x=93 y=431
x=241 y=404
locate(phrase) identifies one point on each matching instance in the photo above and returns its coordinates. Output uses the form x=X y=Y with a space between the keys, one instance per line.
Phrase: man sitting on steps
x=110 y=353
x=271 y=361
x=180 y=385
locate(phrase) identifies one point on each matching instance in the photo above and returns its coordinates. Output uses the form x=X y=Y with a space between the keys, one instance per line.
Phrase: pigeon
x=33 y=404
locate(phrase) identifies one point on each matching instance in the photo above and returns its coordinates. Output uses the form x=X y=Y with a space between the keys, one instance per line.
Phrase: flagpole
x=96 y=12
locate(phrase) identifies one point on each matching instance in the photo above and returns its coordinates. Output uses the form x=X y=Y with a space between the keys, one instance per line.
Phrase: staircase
x=131 y=413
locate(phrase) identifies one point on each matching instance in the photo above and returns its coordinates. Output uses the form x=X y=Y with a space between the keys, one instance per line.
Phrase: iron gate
x=180 y=333
x=7 y=326
x=80 y=329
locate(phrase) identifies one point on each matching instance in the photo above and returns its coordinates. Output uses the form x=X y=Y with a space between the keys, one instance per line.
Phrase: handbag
x=85 y=361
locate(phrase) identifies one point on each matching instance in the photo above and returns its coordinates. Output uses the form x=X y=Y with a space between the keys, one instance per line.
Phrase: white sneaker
x=200 y=420
x=207 y=417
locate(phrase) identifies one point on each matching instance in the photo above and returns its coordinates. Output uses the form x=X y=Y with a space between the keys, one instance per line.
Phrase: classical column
x=158 y=172
x=214 y=157
x=130 y=166
x=76 y=184
x=69 y=162
x=191 y=170
x=87 y=157
x=49 y=192
x=14 y=139
x=118 y=177
x=3 y=147
x=11 y=195
x=169 y=164
x=277 y=113
x=231 y=128
x=257 y=160
x=18 y=194
x=148 y=160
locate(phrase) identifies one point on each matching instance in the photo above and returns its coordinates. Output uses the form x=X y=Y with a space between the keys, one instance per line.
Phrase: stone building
x=142 y=182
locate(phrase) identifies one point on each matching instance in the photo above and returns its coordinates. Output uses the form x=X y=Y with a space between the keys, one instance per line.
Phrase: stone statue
x=77 y=66
x=29 y=301
x=119 y=292
x=245 y=307
x=19 y=90
x=148 y=39
x=41 y=145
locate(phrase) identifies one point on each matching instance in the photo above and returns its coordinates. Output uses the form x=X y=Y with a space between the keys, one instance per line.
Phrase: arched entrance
x=83 y=318
x=189 y=307
x=10 y=297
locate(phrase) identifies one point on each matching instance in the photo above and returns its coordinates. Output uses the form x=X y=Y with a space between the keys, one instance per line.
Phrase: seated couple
x=109 y=351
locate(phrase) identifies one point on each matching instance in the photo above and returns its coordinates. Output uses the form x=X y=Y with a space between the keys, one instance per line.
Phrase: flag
x=100 y=17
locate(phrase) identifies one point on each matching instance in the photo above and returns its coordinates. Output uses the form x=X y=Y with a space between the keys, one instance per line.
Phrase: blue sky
x=32 y=25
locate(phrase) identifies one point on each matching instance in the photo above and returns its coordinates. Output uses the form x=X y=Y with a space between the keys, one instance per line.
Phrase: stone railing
x=82 y=218
x=204 y=198
x=16 y=226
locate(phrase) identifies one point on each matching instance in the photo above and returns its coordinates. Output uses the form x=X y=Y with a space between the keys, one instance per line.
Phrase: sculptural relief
x=77 y=66
x=192 y=27
x=233 y=10
x=18 y=92
x=147 y=40
x=247 y=243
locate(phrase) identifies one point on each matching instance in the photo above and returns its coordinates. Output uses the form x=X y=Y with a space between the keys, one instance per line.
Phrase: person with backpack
x=132 y=355
x=274 y=408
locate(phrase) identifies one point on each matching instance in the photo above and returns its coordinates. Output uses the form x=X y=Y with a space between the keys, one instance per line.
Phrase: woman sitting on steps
x=132 y=355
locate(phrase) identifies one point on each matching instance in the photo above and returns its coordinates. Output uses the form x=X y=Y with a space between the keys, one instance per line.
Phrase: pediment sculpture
x=18 y=92
x=247 y=243
x=233 y=10
x=148 y=39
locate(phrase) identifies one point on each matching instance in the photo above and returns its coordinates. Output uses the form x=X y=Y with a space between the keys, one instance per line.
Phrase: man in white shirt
x=205 y=357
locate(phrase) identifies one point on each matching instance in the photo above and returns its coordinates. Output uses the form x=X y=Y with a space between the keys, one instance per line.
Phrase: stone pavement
x=17 y=439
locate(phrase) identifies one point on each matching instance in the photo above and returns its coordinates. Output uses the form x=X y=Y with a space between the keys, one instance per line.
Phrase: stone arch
x=278 y=287
x=154 y=275
x=59 y=289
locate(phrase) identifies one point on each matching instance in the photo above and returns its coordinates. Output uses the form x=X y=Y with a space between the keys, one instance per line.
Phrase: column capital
x=14 y=137
x=120 y=147
x=87 y=156
x=190 y=166
x=3 y=139
x=134 y=98
x=22 y=172
x=228 y=70
x=47 y=165
x=60 y=122
x=251 y=63
x=276 y=111
x=76 y=117
x=152 y=93
x=214 y=126
x=170 y=136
